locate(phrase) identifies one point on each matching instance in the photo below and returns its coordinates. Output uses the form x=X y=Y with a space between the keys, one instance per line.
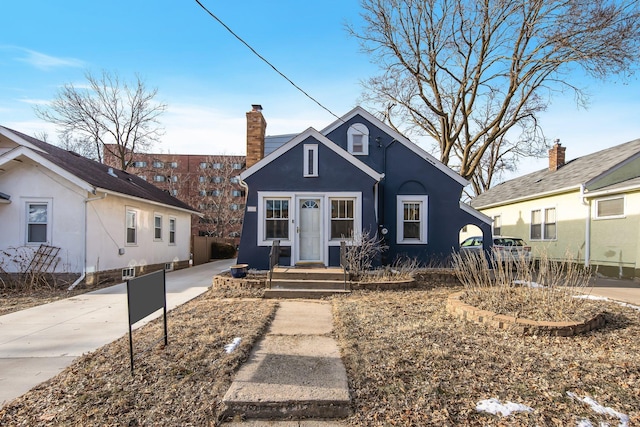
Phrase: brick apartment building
x=209 y=183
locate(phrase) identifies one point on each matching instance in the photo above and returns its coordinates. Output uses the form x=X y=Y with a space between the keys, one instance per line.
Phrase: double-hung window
x=172 y=231
x=411 y=219
x=342 y=218
x=497 y=225
x=157 y=227
x=276 y=219
x=543 y=224
x=358 y=139
x=132 y=227
x=37 y=222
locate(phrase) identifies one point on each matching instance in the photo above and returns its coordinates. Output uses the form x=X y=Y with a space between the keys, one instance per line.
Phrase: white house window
x=37 y=222
x=411 y=219
x=157 y=227
x=342 y=218
x=358 y=139
x=543 y=224
x=276 y=219
x=132 y=226
x=610 y=208
x=172 y=231
x=497 y=225
x=310 y=160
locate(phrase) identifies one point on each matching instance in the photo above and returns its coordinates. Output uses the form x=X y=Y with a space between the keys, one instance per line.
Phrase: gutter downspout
x=84 y=245
x=587 y=228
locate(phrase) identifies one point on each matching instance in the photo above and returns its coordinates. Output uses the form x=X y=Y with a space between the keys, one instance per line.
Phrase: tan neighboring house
x=588 y=208
x=86 y=220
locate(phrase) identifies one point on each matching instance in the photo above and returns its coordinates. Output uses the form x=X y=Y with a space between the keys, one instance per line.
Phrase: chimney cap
x=256 y=107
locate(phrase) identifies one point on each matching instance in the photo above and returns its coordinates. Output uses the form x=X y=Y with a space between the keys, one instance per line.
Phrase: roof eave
x=530 y=197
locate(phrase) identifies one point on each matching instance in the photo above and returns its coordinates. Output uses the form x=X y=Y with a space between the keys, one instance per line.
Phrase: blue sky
x=209 y=79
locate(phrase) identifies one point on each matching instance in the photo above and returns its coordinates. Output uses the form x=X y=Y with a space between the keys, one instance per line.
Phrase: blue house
x=312 y=190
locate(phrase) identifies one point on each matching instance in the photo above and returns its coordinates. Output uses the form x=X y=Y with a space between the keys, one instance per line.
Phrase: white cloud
x=46 y=62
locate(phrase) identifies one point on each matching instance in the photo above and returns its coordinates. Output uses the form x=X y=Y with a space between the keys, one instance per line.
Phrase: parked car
x=505 y=248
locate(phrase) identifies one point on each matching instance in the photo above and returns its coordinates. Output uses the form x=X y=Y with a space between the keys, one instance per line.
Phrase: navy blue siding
x=285 y=173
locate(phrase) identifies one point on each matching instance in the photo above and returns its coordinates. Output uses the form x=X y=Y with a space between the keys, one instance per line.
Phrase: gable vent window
x=310 y=166
x=358 y=139
x=610 y=208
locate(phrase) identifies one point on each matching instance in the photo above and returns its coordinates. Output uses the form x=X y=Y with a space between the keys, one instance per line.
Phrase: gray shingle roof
x=96 y=174
x=571 y=175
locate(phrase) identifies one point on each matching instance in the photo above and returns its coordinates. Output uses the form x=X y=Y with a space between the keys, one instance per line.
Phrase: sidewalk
x=294 y=372
x=38 y=343
x=624 y=290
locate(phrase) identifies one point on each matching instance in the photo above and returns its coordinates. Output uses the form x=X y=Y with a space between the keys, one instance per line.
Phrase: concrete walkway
x=624 y=290
x=38 y=343
x=295 y=371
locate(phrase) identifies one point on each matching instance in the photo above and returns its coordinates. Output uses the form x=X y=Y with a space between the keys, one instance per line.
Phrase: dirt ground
x=409 y=363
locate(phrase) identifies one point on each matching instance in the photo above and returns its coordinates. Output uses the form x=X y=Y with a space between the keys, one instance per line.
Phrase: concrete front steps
x=306 y=282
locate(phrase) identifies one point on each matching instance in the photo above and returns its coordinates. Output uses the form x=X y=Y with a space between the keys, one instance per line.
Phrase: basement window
x=128 y=273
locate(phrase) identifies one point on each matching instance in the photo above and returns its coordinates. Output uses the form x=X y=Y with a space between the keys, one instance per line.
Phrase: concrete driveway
x=617 y=289
x=38 y=343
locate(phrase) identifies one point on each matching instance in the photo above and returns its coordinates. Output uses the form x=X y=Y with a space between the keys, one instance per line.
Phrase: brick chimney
x=556 y=156
x=256 y=127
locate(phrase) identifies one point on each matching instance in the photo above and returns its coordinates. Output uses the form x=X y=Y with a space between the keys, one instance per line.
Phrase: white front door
x=309 y=230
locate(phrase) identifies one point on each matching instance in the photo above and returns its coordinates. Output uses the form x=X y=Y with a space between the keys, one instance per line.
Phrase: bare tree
x=468 y=73
x=108 y=114
x=220 y=197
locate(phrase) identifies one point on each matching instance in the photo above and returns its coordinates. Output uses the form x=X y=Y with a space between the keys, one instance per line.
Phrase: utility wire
x=265 y=60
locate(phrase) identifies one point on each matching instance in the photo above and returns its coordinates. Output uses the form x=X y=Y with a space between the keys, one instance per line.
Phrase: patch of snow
x=234 y=344
x=599 y=409
x=528 y=283
x=493 y=406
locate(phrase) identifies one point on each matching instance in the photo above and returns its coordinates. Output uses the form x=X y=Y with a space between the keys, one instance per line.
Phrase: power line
x=265 y=60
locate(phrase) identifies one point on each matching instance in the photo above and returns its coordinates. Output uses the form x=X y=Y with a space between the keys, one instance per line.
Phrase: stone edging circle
x=465 y=311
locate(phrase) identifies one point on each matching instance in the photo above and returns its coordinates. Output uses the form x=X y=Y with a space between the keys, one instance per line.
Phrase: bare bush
x=362 y=249
x=515 y=287
x=401 y=269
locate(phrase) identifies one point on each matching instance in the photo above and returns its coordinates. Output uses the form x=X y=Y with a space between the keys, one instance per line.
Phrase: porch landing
x=306 y=282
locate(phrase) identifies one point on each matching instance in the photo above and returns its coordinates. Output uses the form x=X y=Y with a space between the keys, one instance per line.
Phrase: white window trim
x=424 y=219
x=326 y=213
x=358 y=129
x=136 y=213
x=262 y=196
x=313 y=166
x=597 y=201
x=157 y=239
x=175 y=231
x=543 y=238
x=493 y=224
x=357 y=216
x=37 y=201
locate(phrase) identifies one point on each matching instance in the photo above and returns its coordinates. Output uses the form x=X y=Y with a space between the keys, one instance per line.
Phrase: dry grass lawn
x=409 y=363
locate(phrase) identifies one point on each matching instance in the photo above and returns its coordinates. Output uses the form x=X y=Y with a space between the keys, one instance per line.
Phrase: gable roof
x=82 y=170
x=398 y=137
x=311 y=132
x=569 y=177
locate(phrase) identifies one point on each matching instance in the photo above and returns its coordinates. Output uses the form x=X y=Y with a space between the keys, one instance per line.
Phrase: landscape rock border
x=460 y=309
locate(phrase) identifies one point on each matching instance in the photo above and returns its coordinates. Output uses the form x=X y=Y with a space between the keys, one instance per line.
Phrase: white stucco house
x=104 y=224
